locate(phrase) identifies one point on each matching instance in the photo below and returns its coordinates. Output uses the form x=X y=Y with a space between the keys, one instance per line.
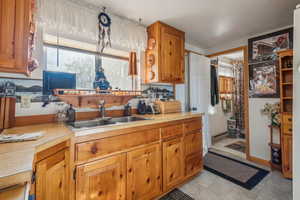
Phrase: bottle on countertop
x=142 y=108
x=71 y=114
x=127 y=110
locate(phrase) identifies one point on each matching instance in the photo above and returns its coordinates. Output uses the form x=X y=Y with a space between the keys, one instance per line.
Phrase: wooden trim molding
x=51 y=118
x=259 y=161
x=190 y=51
x=242 y=48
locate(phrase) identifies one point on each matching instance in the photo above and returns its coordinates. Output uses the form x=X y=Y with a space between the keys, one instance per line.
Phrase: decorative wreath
x=104 y=19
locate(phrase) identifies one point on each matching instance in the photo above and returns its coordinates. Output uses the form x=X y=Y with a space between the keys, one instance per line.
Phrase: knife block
x=7 y=112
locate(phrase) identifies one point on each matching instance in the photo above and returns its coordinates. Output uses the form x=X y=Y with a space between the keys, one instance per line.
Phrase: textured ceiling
x=208 y=23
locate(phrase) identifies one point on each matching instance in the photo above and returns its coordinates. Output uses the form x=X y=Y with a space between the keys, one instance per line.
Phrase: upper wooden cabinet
x=14 y=35
x=225 y=85
x=165 y=54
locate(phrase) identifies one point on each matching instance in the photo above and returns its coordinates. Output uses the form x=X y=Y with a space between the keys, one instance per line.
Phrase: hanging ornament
x=104 y=23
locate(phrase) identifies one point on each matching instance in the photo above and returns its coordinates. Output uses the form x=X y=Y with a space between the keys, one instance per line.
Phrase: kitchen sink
x=104 y=121
x=127 y=119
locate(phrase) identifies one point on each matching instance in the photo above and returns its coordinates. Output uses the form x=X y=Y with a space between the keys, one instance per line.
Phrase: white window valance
x=76 y=20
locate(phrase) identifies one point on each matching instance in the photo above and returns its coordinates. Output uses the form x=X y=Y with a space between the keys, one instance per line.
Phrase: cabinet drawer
x=287 y=119
x=97 y=148
x=193 y=143
x=193 y=164
x=192 y=126
x=171 y=131
x=287 y=129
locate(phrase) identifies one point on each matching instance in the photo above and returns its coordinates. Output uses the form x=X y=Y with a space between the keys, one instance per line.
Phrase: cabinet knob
x=290 y=119
x=94 y=149
x=290 y=129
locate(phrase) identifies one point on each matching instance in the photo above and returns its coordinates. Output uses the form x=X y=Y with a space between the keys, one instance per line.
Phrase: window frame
x=62 y=47
x=57 y=46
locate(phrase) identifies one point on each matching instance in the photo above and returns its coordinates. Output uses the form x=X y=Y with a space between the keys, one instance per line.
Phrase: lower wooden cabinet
x=102 y=179
x=193 y=153
x=287 y=156
x=144 y=173
x=173 y=163
x=52 y=177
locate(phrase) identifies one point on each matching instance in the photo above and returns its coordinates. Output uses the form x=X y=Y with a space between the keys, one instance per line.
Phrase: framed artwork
x=25 y=87
x=264 y=48
x=264 y=80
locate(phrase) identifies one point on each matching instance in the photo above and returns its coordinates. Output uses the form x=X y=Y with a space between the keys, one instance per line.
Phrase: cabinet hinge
x=74 y=174
x=33 y=177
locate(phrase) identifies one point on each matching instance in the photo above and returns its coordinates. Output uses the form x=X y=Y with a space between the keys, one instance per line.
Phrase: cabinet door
x=52 y=177
x=193 y=154
x=287 y=156
x=14 y=33
x=102 y=179
x=173 y=163
x=144 y=174
x=172 y=65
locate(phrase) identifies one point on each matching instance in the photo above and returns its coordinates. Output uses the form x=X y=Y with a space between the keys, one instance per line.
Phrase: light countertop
x=17 y=158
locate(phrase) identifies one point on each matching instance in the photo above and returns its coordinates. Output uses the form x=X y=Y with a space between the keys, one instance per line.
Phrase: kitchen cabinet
x=225 y=85
x=165 y=54
x=103 y=179
x=173 y=163
x=14 y=34
x=137 y=163
x=144 y=173
x=287 y=156
x=193 y=154
x=52 y=177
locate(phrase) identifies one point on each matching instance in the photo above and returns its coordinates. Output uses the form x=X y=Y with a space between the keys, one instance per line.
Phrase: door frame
x=246 y=91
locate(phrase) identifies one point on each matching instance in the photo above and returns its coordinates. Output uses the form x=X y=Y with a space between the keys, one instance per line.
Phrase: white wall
x=258 y=124
x=296 y=109
x=259 y=131
x=221 y=118
x=194 y=48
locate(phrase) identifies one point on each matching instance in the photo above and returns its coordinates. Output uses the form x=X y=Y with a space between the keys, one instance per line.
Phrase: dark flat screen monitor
x=57 y=80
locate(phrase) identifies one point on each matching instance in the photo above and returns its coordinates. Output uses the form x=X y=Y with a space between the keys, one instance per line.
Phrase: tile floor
x=221 y=145
x=208 y=186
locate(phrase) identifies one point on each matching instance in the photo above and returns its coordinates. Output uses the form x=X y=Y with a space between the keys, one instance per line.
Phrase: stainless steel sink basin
x=126 y=119
x=104 y=121
x=89 y=123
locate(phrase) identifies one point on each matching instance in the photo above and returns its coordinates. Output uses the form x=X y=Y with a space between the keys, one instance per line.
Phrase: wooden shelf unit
x=286 y=104
x=91 y=98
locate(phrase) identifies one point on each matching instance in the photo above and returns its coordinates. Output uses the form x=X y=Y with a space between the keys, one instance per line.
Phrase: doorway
x=231 y=135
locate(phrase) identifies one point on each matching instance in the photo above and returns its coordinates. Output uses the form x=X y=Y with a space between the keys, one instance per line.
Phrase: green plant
x=273 y=113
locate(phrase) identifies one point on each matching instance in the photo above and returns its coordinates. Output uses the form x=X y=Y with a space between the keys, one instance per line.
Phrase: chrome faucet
x=102 y=108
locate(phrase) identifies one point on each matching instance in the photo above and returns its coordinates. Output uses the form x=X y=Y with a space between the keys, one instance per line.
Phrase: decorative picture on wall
x=264 y=80
x=25 y=87
x=264 y=48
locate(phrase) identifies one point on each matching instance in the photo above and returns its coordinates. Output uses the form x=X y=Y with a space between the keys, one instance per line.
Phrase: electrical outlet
x=25 y=101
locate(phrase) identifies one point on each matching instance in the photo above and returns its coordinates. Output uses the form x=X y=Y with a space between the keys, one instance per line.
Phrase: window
x=83 y=63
